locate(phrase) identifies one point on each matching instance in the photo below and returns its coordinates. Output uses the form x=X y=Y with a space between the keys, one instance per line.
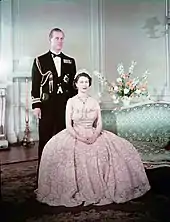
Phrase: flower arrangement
x=125 y=86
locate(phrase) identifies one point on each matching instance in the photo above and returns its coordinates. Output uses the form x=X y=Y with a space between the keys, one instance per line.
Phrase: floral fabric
x=73 y=173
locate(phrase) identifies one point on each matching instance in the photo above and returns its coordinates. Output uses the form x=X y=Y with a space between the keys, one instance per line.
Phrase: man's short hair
x=55 y=30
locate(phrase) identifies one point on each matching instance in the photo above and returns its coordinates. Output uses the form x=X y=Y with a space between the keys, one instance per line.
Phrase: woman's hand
x=88 y=140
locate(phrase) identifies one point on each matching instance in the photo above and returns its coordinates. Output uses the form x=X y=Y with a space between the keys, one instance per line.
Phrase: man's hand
x=37 y=113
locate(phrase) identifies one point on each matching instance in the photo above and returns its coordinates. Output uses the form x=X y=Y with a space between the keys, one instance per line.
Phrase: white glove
x=37 y=113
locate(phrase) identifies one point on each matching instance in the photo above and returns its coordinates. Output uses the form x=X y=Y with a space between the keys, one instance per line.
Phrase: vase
x=126 y=101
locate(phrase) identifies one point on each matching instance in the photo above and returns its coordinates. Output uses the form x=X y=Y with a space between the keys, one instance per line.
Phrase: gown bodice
x=84 y=116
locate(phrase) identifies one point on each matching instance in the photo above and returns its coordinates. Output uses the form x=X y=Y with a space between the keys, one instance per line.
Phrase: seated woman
x=84 y=164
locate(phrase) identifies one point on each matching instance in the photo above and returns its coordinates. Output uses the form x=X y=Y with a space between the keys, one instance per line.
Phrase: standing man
x=52 y=85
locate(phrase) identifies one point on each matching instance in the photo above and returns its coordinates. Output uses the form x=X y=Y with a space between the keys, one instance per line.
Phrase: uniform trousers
x=52 y=119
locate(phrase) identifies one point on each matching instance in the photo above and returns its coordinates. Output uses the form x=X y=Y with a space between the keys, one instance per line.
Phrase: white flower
x=116 y=88
x=113 y=97
x=96 y=73
x=119 y=80
x=136 y=81
x=138 y=91
x=145 y=75
x=120 y=68
x=131 y=68
x=126 y=91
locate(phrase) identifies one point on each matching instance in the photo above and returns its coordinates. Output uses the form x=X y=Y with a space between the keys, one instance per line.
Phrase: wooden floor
x=18 y=153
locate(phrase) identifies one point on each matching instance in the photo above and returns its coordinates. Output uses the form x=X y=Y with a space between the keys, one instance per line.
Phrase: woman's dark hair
x=80 y=75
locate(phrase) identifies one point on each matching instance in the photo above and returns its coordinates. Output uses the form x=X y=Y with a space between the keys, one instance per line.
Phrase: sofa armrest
x=148 y=122
x=146 y=126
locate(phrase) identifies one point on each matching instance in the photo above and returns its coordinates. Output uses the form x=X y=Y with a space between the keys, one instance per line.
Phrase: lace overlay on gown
x=73 y=173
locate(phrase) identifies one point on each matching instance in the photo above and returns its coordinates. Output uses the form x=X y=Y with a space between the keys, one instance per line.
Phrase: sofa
x=146 y=126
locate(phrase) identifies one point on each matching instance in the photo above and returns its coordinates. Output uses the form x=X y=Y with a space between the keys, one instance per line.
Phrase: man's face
x=57 y=40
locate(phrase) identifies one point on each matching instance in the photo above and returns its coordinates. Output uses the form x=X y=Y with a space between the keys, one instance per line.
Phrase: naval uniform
x=52 y=86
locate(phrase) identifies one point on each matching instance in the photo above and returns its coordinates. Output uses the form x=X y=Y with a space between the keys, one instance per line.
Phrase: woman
x=84 y=164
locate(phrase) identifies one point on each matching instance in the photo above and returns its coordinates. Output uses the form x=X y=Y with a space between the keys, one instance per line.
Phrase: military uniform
x=50 y=93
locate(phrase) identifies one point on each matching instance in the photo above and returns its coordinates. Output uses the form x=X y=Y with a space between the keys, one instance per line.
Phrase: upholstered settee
x=146 y=125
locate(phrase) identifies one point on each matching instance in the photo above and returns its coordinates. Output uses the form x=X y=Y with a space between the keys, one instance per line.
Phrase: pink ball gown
x=73 y=173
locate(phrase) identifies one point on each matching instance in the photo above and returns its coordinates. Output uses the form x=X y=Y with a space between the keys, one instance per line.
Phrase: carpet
x=18 y=203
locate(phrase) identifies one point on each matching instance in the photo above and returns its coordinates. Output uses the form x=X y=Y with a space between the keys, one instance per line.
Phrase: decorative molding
x=19 y=84
x=6 y=58
x=94 y=34
x=167 y=43
x=11 y=135
x=97 y=33
x=102 y=33
x=6 y=43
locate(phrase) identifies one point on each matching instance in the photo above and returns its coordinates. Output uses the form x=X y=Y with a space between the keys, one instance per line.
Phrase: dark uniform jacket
x=45 y=80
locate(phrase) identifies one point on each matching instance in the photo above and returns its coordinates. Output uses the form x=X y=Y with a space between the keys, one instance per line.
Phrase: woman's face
x=83 y=84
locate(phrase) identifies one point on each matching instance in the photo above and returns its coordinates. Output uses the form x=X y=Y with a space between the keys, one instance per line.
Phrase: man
x=52 y=86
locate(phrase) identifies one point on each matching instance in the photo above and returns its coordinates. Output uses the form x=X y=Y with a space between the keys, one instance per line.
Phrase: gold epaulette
x=44 y=75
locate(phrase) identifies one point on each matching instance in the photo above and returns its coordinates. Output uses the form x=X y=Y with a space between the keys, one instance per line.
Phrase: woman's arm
x=69 y=127
x=98 y=128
